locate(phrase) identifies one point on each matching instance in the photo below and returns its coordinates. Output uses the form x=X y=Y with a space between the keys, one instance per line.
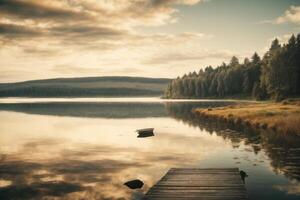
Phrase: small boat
x=146 y=132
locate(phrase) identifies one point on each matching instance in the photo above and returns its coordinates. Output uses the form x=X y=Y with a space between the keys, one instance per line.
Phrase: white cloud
x=89 y=37
x=179 y=57
x=84 y=23
x=291 y=188
x=292 y=15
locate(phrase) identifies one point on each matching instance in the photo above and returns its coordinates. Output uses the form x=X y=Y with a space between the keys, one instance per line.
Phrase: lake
x=87 y=148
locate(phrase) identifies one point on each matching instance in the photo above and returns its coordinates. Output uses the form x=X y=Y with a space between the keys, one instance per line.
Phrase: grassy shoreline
x=280 y=117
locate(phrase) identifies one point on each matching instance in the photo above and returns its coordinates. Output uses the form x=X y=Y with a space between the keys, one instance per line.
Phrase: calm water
x=86 y=150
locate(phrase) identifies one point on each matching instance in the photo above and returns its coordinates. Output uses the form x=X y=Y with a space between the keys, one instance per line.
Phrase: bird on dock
x=243 y=175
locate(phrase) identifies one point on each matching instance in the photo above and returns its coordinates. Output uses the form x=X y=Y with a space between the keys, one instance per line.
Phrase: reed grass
x=283 y=117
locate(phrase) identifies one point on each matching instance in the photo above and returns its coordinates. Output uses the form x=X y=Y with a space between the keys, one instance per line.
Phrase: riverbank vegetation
x=282 y=117
x=275 y=76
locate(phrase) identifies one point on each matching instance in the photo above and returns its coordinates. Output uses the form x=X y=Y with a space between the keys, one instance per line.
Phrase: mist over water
x=88 y=149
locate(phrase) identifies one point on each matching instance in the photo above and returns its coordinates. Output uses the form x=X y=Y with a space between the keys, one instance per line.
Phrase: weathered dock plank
x=199 y=184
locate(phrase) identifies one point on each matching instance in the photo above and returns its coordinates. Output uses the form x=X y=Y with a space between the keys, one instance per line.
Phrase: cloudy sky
x=151 y=38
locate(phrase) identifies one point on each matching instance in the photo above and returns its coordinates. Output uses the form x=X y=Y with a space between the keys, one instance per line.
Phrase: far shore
x=152 y=99
x=281 y=117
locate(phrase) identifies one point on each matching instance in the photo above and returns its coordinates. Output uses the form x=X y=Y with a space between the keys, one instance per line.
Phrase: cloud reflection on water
x=91 y=158
x=94 y=168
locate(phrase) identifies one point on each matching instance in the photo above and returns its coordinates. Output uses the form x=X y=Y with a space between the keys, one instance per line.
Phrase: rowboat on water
x=146 y=132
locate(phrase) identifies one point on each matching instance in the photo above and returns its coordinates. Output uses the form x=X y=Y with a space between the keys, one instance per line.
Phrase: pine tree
x=277 y=75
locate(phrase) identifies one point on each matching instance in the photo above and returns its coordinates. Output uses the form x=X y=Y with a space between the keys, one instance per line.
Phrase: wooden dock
x=199 y=184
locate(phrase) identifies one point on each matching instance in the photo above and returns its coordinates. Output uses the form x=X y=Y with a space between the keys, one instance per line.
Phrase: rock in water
x=134 y=184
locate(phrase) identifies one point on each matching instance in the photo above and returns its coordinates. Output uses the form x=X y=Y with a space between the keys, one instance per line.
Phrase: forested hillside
x=276 y=76
x=108 y=86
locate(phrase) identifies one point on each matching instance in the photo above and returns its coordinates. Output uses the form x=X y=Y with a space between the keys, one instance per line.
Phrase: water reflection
x=89 y=109
x=91 y=151
x=282 y=149
x=145 y=135
x=45 y=150
x=70 y=175
x=102 y=109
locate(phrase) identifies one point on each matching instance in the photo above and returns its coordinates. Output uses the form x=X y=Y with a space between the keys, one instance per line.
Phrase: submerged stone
x=134 y=184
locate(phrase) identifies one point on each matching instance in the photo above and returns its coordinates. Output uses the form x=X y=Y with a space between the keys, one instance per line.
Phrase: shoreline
x=281 y=117
x=149 y=99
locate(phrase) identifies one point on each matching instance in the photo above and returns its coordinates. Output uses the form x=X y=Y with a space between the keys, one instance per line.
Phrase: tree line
x=275 y=76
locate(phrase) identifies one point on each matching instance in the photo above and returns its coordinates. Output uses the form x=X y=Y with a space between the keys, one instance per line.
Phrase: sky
x=149 y=38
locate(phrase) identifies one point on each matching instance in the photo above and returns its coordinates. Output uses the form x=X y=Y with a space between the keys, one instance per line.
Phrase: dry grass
x=283 y=117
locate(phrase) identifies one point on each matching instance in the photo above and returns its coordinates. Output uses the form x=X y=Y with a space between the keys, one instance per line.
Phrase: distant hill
x=107 y=86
